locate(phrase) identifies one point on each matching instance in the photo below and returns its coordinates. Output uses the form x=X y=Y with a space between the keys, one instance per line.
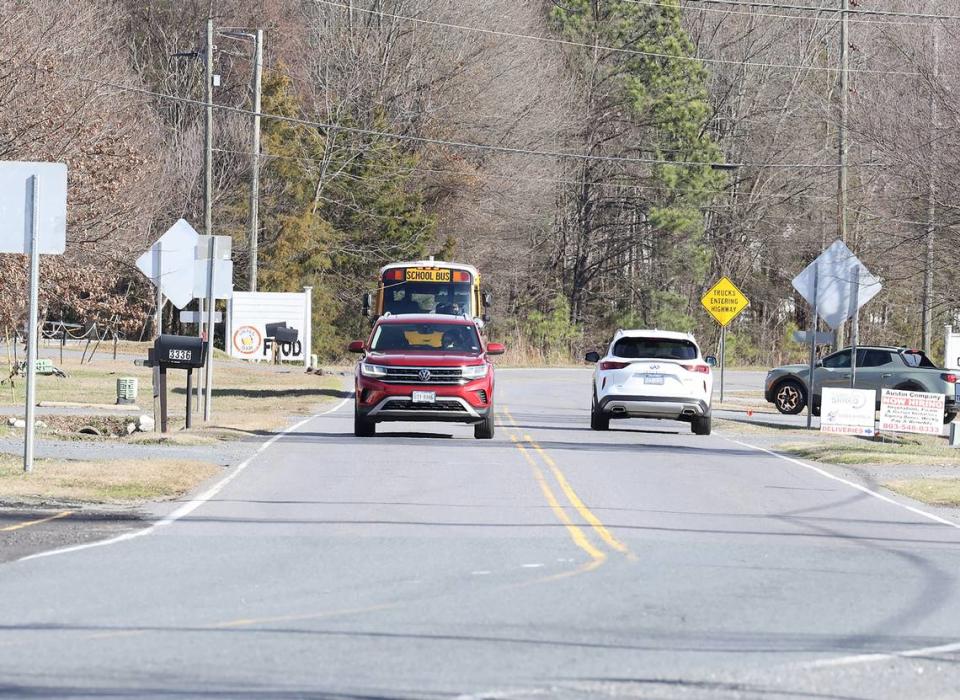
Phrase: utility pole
x=255 y=175
x=932 y=201
x=208 y=209
x=842 y=132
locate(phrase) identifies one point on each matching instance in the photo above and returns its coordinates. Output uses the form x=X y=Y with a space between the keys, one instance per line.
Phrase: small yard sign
x=911 y=412
x=848 y=411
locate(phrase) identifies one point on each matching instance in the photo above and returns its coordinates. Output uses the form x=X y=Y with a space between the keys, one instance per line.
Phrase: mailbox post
x=177 y=352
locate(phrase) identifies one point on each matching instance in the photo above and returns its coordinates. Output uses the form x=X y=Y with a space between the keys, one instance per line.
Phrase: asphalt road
x=551 y=562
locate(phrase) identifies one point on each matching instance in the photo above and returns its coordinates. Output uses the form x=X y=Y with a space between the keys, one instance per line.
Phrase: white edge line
x=916 y=511
x=883 y=656
x=877 y=656
x=194 y=503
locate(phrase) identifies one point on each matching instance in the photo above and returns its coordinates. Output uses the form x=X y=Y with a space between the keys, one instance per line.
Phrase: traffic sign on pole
x=724 y=301
x=171 y=263
x=33 y=212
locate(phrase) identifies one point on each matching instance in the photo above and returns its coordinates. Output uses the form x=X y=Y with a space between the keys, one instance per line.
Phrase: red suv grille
x=431 y=375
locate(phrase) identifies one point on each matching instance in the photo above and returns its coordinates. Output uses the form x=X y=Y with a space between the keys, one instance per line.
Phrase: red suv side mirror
x=495 y=349
x=356 y=346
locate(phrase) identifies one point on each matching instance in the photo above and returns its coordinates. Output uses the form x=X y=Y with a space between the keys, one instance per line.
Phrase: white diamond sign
x=171 y=263
x=837 y=284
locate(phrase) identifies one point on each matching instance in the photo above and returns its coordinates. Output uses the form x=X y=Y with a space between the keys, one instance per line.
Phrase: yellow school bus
x=428 y=287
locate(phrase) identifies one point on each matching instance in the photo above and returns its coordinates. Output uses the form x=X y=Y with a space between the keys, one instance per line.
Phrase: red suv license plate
x=424 y=397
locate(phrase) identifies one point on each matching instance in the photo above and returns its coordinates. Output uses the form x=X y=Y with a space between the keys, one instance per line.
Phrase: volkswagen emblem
x=424 y=375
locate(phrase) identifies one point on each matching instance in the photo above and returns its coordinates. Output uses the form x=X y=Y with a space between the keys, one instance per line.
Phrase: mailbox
x=286 y=335
x=175 y=352
x=180 y=352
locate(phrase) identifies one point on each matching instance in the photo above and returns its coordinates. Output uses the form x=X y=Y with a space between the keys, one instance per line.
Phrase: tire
x=363 y=427
x=701 y=425
x=485 y=429
x=790 y=397
x=948 y=417
x=598 y=419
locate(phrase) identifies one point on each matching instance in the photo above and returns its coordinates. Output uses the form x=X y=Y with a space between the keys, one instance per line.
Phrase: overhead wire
x=853 y=11
x=614 y=49
x=494 y=148
x=754 y=13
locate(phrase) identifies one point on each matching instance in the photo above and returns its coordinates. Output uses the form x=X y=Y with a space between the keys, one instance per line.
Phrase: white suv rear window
x=655 y=348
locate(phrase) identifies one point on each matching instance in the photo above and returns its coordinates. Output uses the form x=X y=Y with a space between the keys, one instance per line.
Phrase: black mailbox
x=272 y=328
x=176 y=352
x=286 y=335
x=180 y=352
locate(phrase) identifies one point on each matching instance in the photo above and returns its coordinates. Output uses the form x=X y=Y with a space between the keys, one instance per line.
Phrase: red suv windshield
x=425 y=336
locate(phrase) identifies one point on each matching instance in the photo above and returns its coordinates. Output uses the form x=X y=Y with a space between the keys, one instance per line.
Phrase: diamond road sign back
x=836 y=284
x=724 y=301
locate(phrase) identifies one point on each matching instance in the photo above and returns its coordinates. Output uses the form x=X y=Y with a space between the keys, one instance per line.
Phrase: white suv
x=652 y=374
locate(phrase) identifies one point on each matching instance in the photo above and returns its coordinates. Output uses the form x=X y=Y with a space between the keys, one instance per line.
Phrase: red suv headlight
x=475 y=371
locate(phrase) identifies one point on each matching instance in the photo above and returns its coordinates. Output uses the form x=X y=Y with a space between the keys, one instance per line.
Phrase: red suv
x=424 y=368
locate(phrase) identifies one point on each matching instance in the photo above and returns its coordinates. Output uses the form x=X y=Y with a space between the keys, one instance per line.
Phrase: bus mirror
x=367 y=303
x=487 y=299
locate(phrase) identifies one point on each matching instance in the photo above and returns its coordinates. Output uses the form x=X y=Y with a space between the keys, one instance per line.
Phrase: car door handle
x=885 y=376
x=845 y=376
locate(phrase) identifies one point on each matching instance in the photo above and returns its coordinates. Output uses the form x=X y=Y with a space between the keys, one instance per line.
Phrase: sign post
x=724 y=301
x=32 y=324
x=835 y=285
x=33 y=209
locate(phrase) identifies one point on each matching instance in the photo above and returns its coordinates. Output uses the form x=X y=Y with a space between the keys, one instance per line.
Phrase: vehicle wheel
x=598 y=419
x=790 y=397
x=363 y=427
x=484 y=430
x=702 y=425
x=948 y=417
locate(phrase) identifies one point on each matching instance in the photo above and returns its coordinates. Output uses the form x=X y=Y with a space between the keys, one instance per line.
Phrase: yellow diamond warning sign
x=724 y=301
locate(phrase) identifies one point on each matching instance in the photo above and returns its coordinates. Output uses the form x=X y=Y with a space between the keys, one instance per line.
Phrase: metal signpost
x=724 y=301
x=33 y=209
x=213 y=279
x=836 y=285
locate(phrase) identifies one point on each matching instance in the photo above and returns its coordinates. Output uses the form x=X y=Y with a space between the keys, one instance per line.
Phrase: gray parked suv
x=877 y=368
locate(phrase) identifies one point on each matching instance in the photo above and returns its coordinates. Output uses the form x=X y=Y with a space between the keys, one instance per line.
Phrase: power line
x=507 y=150
x=811 y=8
x=592 y=47
x=752 y=13
x=519 y=178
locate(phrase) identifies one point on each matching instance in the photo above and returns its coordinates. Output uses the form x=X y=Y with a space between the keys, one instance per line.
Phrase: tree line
x=602 y=162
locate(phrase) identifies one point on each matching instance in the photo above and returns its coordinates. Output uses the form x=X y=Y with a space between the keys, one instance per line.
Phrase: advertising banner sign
x=255 y=318
x=848 y=411
x=911 y=412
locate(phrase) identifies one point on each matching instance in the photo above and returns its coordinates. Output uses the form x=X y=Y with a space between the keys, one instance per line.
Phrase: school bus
x=428 y=287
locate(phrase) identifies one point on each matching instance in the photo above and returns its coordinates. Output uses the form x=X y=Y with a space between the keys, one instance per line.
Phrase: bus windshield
x=407 y=297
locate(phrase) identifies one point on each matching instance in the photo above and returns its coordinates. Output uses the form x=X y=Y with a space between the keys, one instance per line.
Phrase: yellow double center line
x=530 y=449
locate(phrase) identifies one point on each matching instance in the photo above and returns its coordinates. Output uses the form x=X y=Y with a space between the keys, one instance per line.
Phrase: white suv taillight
x=613 y=365
x=705 y=369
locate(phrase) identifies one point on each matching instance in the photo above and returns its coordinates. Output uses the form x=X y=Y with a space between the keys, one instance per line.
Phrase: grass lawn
x=937 y=492
x=106 y=481
x=246 y=397
x=852 y=451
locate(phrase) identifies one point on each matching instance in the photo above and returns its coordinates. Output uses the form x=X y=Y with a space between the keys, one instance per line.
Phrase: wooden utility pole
x=842 y=133
x=932 y=200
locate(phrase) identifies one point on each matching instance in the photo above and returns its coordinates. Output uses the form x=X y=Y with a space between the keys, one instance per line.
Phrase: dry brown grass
x=936 y=492
x=246 y=396
x=107 y=481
